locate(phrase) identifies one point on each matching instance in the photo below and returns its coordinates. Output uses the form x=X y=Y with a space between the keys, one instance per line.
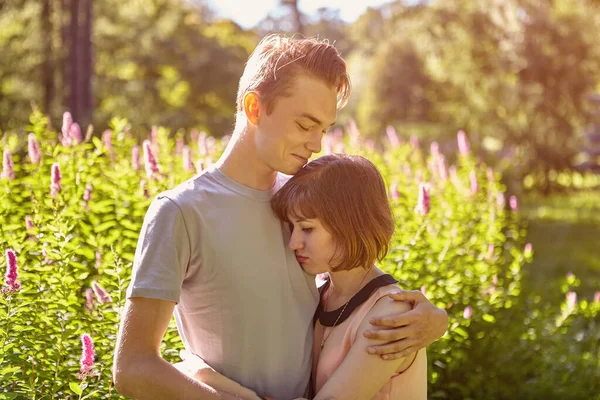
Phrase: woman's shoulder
x=383 y=304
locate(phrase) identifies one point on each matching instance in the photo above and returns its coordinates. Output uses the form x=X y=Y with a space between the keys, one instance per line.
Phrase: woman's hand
x=408 y=332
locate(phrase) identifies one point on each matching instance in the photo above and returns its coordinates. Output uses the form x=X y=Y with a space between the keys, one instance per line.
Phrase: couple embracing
x=233 y=253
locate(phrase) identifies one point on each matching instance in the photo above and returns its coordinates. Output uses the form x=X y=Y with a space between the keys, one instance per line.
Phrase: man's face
x=287 y=138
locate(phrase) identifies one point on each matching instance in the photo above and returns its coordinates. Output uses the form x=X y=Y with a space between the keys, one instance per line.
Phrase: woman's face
x=313 y=244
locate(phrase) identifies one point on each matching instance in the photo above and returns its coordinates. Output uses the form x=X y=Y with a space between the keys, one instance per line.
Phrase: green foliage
x=491 y=68
x=446 y=251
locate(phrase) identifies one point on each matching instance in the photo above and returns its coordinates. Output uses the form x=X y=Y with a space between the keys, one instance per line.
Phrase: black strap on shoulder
x=328 y=318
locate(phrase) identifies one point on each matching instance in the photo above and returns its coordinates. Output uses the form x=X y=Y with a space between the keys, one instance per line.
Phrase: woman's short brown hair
x=278 y=59
x=348 y=195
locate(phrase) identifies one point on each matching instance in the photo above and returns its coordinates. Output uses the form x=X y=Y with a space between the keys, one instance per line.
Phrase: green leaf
x=88 y=395
x=76 y=388
x=105 y=226
x=8 y=396
x=489 y=318
x=9 y=370
x=461 y=332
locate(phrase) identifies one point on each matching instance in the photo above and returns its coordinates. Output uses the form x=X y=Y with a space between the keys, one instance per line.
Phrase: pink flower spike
x=596 y=297
x=7 y=166
x=571 y=300
x=55 y=179
x=395 y=195
x=87 y=194
x=225 y=140
x=338 y=134
x=98 y=259
x=107 y=140
x=328 y=145
x=423 y=202
x=468 y=312
x=414 y=141
x=29 y=222
x=89 y=299
x=434 y=150
x=66 y=129
x=179 y=145
x=474 y=183
x=87 y=357
x=154 y=137
x=144 y=188
x=186 y=154
x=135 y=157
x=199 y=166
x=149 y=160
x=12 y=273
x=33 y=149
x=528 y=250
x=442 y=168
x=490 y=175
x=392 y=136
x=514 y=204
x=101 y=295
x=202 y=147
x=491 y=249
x=75 y=133
x=501 y=200
x=463 y=143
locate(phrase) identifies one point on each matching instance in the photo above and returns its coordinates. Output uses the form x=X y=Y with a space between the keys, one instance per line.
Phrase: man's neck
x=241 y=163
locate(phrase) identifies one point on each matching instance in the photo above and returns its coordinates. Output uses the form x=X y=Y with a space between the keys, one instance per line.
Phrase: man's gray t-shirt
x=244 y=304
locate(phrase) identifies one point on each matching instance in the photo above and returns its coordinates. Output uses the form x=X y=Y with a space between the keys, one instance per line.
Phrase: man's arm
x=139 y=371
x=196 y=368
x=410 y=331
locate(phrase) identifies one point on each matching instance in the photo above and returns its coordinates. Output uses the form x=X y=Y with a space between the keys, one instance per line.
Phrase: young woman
x=341 y=223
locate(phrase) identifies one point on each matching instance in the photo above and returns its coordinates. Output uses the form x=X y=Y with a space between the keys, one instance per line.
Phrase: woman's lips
x=301 y=259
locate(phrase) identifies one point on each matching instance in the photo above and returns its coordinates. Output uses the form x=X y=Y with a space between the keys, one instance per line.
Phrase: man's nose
x=314 y=144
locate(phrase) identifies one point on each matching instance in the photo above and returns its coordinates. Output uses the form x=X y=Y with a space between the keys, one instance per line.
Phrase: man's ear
x=251 y=107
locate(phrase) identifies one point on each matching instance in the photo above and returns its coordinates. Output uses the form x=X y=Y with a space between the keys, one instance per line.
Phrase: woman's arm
x=361 y=375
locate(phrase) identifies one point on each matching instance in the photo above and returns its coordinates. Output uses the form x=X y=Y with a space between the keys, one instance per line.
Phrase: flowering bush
x=73 y=205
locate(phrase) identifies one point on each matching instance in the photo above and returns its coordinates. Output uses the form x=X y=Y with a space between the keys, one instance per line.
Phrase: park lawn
x=565 y=232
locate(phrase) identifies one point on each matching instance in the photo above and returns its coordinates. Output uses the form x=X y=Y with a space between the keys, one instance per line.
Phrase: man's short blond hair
x=278 y=59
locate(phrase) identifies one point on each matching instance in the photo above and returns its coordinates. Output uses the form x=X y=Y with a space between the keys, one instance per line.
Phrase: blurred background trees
x=518 y=75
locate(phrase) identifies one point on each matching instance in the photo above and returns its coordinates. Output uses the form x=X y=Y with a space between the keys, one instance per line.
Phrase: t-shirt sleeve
x=162 y=254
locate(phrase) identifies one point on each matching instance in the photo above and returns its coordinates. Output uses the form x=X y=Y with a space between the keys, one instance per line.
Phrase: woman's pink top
x=410 y=384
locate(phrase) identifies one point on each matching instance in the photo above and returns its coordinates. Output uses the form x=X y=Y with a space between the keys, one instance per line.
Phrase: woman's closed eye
x=307 y=230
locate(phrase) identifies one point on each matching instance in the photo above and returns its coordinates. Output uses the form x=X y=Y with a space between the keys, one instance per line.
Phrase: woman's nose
x=295 y=242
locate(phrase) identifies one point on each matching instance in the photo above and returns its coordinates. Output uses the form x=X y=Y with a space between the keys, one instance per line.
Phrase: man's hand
x=408 y=332
x=195 y=367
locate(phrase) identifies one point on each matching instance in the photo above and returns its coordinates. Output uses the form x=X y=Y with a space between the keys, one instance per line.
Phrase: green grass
x=565 y=232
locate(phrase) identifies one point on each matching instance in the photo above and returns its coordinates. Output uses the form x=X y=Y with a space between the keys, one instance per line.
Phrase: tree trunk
x=74 y=100
x=85 y=63
x=48 y=68
x=296 y=15
x=62 y=56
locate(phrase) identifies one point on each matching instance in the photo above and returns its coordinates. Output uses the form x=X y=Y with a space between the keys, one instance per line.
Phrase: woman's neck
x=345 y=284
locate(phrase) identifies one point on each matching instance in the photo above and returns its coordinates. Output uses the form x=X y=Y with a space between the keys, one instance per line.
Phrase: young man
x=212 y=251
